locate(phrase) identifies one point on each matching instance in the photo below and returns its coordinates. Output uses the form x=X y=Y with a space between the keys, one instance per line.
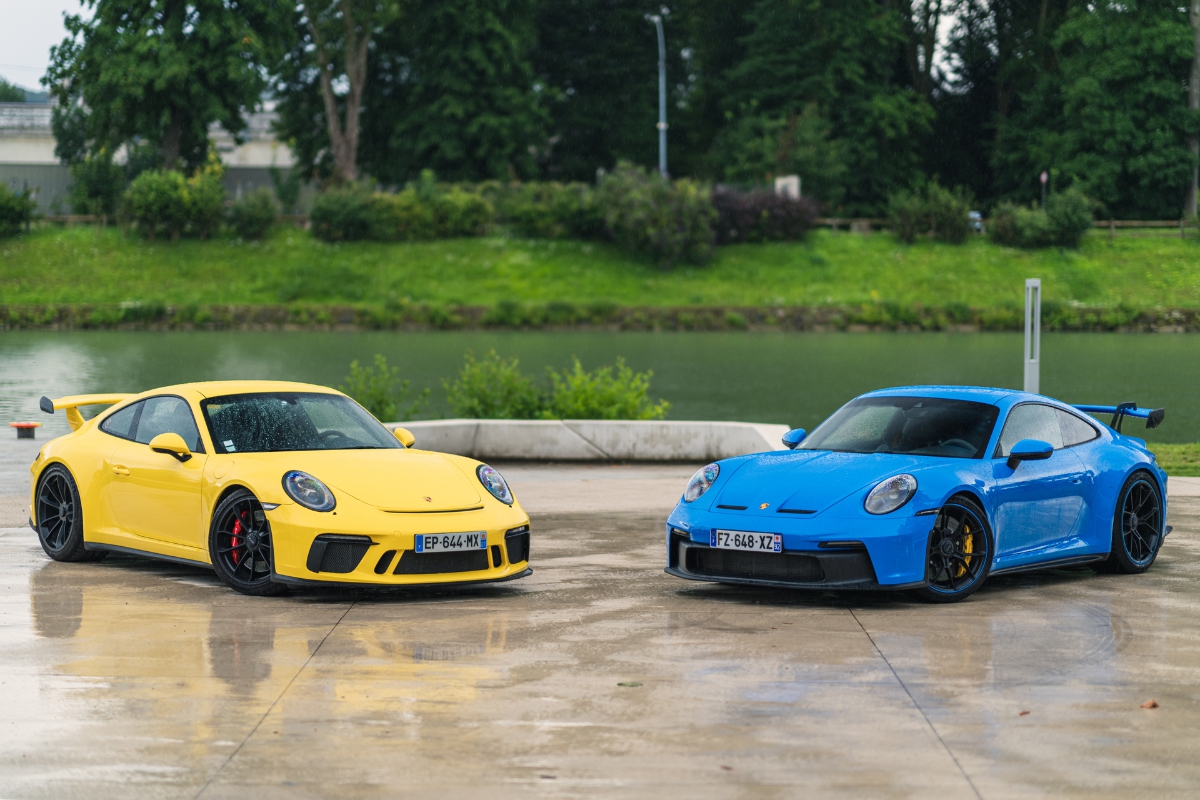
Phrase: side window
x=1074 y=430
x=169 y=415
x=1030 y=421
x=124 y=422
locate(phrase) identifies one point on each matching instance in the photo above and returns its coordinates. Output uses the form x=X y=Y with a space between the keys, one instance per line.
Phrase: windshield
x=917 y=426
x=279 y=421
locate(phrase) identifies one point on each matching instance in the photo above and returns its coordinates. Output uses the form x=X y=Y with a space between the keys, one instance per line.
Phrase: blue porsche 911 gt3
x=927 y=488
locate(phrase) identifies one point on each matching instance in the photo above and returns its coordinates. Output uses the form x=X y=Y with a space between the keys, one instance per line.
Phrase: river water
x=792 y=378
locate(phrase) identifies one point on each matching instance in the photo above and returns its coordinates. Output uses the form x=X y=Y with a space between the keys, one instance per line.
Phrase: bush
x=493 y=388
x=1070 y=217
x=936 y=211
x=460 y=213
x=601 y=394
x=16 y=211
x=164 y=201
x=343 y=213
x=761 y=216
x=669 y=221
x=96 y=185
x=253 y=216
x=1019 y=226
x=380 y=390
x=402 y=217
x=552 y=210
x=156 y=202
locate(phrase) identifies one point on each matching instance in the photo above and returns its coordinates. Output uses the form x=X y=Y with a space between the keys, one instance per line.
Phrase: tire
x=60 y=516
x=239 y=544
x=1138 y=523
x=959 y=554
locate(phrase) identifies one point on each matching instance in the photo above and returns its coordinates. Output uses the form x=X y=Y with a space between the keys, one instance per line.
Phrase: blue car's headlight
x=889 y=495
x=308 y=491
x=495 y=484
x=700 y=482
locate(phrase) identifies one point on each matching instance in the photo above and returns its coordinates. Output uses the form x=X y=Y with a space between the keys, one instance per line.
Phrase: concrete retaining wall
x=594 y=440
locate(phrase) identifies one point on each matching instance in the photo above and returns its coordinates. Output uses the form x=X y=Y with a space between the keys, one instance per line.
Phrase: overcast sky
x=30 y=27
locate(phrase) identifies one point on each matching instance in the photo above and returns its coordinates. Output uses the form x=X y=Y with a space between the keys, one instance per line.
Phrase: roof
x=25 y=118
x=218 y=388
x=979 y=394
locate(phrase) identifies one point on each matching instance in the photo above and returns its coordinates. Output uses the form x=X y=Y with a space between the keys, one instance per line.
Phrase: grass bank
x=833 y=279
x=1182 y=460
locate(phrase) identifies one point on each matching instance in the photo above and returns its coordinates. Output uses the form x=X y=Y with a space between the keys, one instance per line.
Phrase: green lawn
x=1182 y=460
x=103 y=266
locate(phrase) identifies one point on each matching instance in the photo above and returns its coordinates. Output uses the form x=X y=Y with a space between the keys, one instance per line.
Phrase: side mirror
x=172 y=444
x=405 y=436
x=794 y=437
x=1029 y=450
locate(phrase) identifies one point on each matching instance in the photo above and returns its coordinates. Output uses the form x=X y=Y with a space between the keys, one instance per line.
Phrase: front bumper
x=374 y=548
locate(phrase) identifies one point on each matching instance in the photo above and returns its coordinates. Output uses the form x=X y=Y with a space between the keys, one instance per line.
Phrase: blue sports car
x=930 y=489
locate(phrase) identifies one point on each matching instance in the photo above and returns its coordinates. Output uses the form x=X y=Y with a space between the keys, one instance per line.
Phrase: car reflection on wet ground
x=597 y=676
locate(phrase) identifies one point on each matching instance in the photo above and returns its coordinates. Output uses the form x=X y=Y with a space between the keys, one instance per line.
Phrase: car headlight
x=700 y=482
x=308 y=491
x=889 y=495
x=495 y=484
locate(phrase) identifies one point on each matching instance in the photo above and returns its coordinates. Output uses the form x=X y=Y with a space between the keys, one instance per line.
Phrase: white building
x=27 y=154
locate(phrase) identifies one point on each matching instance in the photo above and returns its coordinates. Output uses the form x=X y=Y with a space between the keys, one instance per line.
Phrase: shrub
x=460 y=213
x=380 y=390
x=1020 y=226
x=602 y=394
x=96 y=185
x=669 y=221
x=403 y=217
x=253 y=215
x=156 y=201
x=16 y=210
x=342 y=214
x=761 y=216
x=935 y=210
x=493 y=388
x=205 y=199
x=1070 y=217
x=552 y=210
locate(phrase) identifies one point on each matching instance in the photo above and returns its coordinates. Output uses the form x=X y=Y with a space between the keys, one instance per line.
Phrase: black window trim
x=137 y=417
x=1000 y=434
x=141 y=404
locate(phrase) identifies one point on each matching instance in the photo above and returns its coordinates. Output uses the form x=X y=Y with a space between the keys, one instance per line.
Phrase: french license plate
x=742 y=540
x=446 y=542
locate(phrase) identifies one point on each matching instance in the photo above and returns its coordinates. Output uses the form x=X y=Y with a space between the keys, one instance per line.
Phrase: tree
x=10 y=93
x=163 y=71
x=1189 y=205
x=846 y=58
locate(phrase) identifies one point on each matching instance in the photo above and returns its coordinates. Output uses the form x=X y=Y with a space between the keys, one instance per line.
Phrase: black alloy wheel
x=60 y=517
x=959 y=555
x=1137 y=525
x=239 y=544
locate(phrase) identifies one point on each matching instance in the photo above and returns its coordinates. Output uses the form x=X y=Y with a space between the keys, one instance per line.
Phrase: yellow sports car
x=270 y=484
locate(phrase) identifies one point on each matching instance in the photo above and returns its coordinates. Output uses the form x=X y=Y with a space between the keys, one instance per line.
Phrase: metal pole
x=1033 y=334
x=662 y=94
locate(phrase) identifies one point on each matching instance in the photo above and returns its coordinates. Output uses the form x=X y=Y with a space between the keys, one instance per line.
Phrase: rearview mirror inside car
x=1029 y=450
x=793 y=438
x=172 y=444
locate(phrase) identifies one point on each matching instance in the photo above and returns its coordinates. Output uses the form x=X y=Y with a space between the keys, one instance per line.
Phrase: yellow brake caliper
x=968 y=547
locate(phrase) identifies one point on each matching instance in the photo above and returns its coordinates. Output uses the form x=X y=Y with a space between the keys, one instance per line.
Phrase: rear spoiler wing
x=1153 y=417
x=72 y=404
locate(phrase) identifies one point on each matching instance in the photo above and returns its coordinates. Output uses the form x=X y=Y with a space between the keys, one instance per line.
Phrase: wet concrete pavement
x=598 y=676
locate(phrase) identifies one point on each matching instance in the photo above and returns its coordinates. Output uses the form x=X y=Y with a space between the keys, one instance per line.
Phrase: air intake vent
x=412 y=563
x=765 y=566
x=516 y=542
x=338 y=554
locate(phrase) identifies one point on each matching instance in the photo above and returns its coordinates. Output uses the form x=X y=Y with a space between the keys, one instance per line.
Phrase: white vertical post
x=1033 y=333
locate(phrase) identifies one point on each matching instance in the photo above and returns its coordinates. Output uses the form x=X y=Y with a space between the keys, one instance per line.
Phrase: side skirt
x=1060 y=562
x=129 y=551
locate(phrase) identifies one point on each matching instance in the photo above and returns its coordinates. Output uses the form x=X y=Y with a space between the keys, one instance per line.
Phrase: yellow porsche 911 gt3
x=270 y=484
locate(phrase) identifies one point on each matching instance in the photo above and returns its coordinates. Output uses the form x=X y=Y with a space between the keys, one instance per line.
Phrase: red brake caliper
x=235 y=542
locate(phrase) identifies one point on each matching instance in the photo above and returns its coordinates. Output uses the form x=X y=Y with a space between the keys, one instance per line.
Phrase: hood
x=391 y=480
x=807 y=482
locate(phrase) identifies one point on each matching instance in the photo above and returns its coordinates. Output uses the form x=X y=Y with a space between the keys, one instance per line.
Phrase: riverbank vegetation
x=100 y=277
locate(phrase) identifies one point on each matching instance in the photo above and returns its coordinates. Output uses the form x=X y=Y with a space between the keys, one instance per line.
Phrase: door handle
x=119 y=470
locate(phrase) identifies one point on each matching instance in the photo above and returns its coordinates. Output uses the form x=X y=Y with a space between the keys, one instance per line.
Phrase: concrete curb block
x=594 y=440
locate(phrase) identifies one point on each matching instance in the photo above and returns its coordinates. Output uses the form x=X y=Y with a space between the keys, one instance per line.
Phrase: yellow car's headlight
x=308 y=491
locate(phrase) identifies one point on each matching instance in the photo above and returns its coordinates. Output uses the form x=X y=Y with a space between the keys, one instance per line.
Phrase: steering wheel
x=962 y=444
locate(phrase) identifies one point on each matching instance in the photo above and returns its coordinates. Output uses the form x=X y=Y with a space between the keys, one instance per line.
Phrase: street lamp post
x=662 y=94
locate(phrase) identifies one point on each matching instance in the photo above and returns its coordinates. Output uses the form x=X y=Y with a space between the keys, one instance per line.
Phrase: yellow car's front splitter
x=449 y=549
